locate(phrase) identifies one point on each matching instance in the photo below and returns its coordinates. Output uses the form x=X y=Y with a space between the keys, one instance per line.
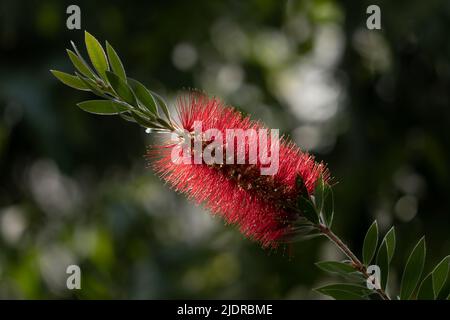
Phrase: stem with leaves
x=356 y=263
x=121 y=95
x=318 y=208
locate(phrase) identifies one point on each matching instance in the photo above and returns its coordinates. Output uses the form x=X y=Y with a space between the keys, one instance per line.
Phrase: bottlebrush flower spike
x=262 y=206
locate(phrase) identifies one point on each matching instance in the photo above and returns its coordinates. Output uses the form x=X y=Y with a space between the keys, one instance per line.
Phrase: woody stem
x=356 y=263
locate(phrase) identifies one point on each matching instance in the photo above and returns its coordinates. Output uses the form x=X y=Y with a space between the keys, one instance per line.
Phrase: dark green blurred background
x=74 y=188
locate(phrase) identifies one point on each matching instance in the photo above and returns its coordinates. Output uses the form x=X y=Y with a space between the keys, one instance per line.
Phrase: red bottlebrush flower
x=260 y=205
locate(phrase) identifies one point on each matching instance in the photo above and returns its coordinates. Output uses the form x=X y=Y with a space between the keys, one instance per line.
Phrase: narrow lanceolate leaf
x=390 y=240
x=70 y=80
x=432 y=284
x=80 y=65
x=413 y=270
x=319 y=194
x=164 y=123
x=127 y=116
x=384 y=256
x=426 y=290
x=440 y=274
x=162 y=104
x=144 y=96
x=307 y=209
x=144 y=122
x=383 y=264
x=370 y=243
x=115 y=62
x=121 y=88
x=335 y=267
x=343 y=291
x=96 y=54
x=355 y=277
x=328 y=206
x=91 y=85
x=103 y=107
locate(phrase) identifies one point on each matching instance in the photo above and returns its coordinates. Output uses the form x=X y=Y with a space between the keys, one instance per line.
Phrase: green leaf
x=390 y=240
x=319 y=194
x=80 y=57
x=440 y=273
x=307 y=209
x=335 y=267
x=121 y=88
x=162 y=104
x=432 y=284
x=384 y=256
x=96 y=54
x=355 y=276
x=370 y=243
x=328 y=206
x=91 y=85
x=144 y=96
x=344 y=291
x=103 y=107
x=80 y=65
x=115 y=62
x=413 y=270
x=70 y=80
x=383 y=264
x=426 y=290
x=164 y=123
x=143 y=121
x=127 y=116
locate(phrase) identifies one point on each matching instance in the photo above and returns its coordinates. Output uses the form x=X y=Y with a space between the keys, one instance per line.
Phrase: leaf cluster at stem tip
x=120 y=95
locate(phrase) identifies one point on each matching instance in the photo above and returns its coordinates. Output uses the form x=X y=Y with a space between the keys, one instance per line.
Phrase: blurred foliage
x=74 y=188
